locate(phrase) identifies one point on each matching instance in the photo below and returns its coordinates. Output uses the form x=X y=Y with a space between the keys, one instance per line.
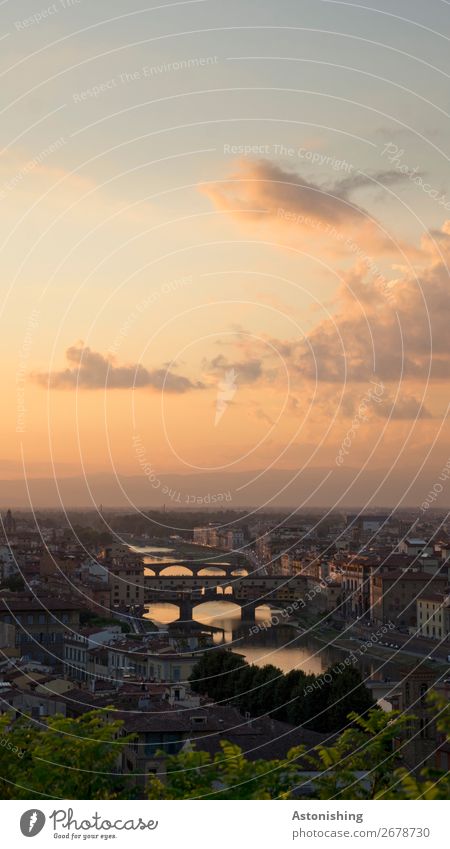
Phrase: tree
x=321 y=703
x=229 y=775
x=360 y=764
x=216 y=674
x=287 y=688
x=81 y=759
x=363 y=763
x=65 y=758
x=346 y=692
x=262 y=695
x=14 y=583
x=430 y=783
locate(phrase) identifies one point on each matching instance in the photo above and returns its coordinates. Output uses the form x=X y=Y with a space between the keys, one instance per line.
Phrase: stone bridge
x=249 y=593
x=196 y=567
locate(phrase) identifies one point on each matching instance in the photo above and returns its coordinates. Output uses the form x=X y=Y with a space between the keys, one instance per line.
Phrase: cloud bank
x=89 y=369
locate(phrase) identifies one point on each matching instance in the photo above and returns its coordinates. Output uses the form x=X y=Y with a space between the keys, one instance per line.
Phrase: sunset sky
x=240 y=207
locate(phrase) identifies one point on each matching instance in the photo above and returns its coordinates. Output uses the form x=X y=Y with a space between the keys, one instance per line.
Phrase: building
x=9 y=525
x=8 y=643
x=418 y=744
x=127 y=584
x=433 y=616
x=415 y=547
x=214 y=536
x=393 y=595
x=365 y=522
x=201 y=536
x=51 y=566
x=234 y=539
x=115 y=552
x=284 y=540
x=157 y=661
x=209 y=535
x=363 y=527
x=78 y=645
x=8 y=563
x=41 y=625
x=163 y=730
x=355 y=583
x=34 y=693
x=299 y=563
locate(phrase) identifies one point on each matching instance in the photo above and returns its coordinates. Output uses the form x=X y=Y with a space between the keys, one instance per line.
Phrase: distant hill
x=313 y=488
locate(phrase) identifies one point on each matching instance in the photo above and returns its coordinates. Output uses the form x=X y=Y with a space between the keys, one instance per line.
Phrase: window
x=41 y=619
x=423 y=692
x=423 y=728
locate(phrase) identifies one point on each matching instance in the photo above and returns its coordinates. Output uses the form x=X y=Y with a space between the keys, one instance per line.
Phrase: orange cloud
x=403 y=337
x=394 y=333
x=90 y=370
x=261 y=191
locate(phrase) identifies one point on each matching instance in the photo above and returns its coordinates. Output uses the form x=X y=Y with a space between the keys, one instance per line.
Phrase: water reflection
x=151 y=550
x=281 y=645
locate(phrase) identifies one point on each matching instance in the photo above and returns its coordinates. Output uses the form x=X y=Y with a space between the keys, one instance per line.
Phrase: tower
x=9 y=524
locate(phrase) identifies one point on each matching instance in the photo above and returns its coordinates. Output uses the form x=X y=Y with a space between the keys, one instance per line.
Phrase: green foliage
x=65 y=758
x=362 y=763
x=318 y=703
x=81 y=759
x=88 y=619
x=91 y=537
x=196 y=775
x=429 y=783
x=14 y=584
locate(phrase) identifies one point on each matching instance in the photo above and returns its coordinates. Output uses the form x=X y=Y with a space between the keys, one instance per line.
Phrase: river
x=281 y=645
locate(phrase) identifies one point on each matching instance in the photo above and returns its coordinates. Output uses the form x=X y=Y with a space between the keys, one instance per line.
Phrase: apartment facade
x=394 y=594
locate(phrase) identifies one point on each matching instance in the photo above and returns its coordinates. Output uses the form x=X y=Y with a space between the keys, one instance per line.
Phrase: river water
x=281 y=645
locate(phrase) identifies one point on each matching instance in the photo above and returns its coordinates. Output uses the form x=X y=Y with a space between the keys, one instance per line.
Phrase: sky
x=225 y=230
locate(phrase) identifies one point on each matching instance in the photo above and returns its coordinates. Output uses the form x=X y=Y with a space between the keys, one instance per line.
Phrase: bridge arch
x=229 y=601
x=215 y=570
x=224 y=591
x=180 y=571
